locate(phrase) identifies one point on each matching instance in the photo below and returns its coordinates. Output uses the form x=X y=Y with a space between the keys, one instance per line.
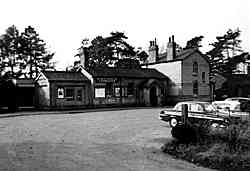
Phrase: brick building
x=188 y=71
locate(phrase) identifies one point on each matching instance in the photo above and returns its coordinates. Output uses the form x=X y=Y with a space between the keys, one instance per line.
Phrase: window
x=195 y=88
x=100 y=92
x=196 y=108
x=79 y=95
x=203 y=76
x=69 y=93
x=195 y=67
x=60 y=92
x=117 y=92
x=124 y=92
x=109 y=89
x=178 y=107
x=248 y=69
x=130 y=89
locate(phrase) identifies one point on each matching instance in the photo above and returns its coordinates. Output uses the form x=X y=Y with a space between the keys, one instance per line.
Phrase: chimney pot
x=173 y=38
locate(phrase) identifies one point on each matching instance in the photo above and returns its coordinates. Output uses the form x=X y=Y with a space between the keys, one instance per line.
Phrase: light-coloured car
x=197 y=110
x=238 y=99
x=226 y=105
x=231 y=108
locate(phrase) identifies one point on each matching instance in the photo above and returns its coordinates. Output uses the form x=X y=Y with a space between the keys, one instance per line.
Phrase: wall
x=42 y=92
x=139 y=98
x=188 y=77
x=173 y=71
x=66 y=102
x=117 y=100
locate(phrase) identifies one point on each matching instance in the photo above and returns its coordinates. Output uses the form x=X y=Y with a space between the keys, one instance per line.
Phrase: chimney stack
x=171 y=49
x=82 y=57
x=174 y=47
x=153 y=52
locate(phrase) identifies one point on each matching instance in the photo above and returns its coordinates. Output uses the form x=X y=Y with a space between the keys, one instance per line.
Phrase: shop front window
x=117 y=92
x=124 y=92
x=69 y=93
x=79 y=95
x=60 y=92
x=130 y=89
x=109 y=90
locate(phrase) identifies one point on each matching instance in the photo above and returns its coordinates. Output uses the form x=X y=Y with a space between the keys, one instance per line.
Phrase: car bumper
x=165 y=118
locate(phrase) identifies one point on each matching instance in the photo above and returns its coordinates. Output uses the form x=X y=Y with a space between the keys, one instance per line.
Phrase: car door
x=196 y=109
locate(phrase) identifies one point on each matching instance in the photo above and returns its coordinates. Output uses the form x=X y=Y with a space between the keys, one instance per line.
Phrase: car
x=197 y=110
x=244 y=103
x=226 y=105
x=238 y=99
x=232 y=108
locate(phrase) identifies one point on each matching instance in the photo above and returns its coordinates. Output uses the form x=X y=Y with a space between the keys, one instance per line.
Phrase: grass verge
x=226 y=149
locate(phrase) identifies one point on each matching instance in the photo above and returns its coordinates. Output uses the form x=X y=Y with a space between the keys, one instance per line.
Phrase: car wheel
x=173 y=122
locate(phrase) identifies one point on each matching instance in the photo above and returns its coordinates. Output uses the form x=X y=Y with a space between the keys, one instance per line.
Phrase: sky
x=62 y=24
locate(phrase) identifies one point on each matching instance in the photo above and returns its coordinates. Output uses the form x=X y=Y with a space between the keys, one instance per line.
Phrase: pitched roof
x=186 y=53
x=128 y=73
x=64 y=76
x=25 y=82
x=179 y=56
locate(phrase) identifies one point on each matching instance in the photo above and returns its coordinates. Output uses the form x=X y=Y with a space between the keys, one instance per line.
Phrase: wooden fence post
x=185 y=114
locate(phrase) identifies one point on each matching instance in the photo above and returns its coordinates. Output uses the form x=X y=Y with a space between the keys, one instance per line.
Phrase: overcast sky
x=64 y=23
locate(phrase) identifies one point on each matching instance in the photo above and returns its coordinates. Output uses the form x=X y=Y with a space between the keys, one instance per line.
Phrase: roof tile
x=64 y=76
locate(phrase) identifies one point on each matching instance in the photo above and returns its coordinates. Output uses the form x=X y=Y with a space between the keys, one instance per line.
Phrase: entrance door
x=153 y=96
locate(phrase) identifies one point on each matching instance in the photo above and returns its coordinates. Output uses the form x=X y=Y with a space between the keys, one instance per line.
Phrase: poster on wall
x=100 y=92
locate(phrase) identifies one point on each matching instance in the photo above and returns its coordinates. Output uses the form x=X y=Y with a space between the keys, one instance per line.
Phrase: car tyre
x=173 y=122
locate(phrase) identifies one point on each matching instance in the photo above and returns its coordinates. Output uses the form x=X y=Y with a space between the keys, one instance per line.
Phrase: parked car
x=224 y=106
x=232 y=108
x=244 y=103
x=197 y=110
x=238 y=99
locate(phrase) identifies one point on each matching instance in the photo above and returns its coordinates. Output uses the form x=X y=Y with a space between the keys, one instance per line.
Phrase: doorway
x=153 y=96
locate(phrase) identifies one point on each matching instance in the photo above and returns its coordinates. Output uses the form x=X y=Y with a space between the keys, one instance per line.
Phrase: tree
x=34 y=52
x=221 y=56
x=9 y=52
x=101 y=52
x=194 y=42
x=23 y=54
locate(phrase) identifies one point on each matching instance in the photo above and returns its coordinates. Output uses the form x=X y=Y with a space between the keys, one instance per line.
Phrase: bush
x=223 y=149
x=191 y=132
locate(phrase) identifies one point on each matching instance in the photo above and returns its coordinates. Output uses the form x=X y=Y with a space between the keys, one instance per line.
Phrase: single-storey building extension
x=61 y=89
x=107 y=86
x=128 y=86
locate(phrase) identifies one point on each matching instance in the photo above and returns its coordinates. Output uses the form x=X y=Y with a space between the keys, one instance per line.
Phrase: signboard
x=106 y=80
x=100 y=92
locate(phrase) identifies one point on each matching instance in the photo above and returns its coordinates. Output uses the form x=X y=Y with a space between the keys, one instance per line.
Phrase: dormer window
x=195 y=68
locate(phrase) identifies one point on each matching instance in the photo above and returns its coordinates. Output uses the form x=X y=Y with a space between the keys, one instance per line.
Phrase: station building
x=187 y=70
x=62 y=89
x=128 y=87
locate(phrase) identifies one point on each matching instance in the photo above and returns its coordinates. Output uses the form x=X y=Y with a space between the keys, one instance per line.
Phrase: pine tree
x=224 y=50
x=102 y=52
x=9 y=53
x=34 y=52
x=194 y=42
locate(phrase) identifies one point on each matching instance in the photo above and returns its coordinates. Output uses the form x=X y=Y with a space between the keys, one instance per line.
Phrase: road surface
x=125 y=140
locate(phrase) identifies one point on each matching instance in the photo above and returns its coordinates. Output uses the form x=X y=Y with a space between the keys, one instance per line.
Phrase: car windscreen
x=209 y=107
